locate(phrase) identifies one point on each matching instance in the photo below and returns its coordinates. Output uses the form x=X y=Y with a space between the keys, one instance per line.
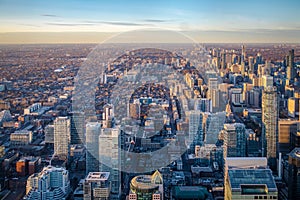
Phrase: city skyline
x=94 y=21
x=149 y=100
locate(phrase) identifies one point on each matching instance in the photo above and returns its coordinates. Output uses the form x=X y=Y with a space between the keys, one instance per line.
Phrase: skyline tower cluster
x=225 y=128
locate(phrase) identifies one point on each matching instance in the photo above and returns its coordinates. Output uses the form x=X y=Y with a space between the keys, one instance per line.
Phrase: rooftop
x=97 y=176
x=22 y=132
x=245 y=162
x=257 y=178
x=147 y=181
x=190 y=192
x=295 y=153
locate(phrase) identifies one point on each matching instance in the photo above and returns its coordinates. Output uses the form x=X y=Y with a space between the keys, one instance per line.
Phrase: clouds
x=67 y=24
x=96 y=23
x=49 y=15
x=117 y=23
x=64 y=22
x=155 y=20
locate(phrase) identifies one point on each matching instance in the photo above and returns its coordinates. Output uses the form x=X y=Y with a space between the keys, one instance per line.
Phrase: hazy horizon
x=98 y=37
x=90 y=21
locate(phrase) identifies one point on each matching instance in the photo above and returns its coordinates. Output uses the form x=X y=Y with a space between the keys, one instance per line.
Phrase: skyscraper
x=62 y=137
x=267 y=81
x=203 y=104
x=77 y=128
x=291 y=71
x=110 y=158
x=234 y=140
x=251 y=64
x=92 y=146
x=214 y=93
x=223 y=60
x=291 y=58
x=134 y=109
x=286 y=128
x=212 y=125
x=108 y=116
x=243 y=54
x=195 y=129
x=293 y=174
x=212 y=85
x=270 y=125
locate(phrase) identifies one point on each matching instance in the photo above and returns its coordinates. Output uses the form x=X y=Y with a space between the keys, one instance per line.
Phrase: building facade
x=270 y=125
x=62 y=137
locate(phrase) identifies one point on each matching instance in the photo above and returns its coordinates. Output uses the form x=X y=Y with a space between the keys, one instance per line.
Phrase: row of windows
x=265 y=197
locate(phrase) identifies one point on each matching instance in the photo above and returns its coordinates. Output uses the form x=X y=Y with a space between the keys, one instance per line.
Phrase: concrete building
x=62 y=137
x=270 y=125
x=286 y=128
x=250 y=184
x=291 y=71
x=267 y=81
x=35 y=109
x=134 y=109
x=203 y=104
x=247 y=171
x=212 y=85
x=96 y=186
x=51 y=183
x=108 y=116
x=92 y=146
x=77 y=128
x=293 y=174
x=5 y=116
x=110 y=158
x=20 y=138
x=293 y=107
x=234 y=136
x=49 y=134
x=195 y=129
x=189 y=192
x=236 y=96
x=27 y=165
x=148 y=187
x=212 y=124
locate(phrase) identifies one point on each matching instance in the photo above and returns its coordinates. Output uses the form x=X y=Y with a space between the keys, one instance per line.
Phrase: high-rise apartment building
x=234 y=137
x=50 y=183
x=62 y=137
x=270 y=125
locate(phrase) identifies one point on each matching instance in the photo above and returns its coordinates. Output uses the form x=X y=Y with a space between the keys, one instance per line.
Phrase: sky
x=33 y=21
